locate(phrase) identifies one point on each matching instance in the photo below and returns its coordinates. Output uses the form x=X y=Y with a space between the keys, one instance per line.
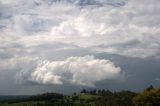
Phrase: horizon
x=78 y=92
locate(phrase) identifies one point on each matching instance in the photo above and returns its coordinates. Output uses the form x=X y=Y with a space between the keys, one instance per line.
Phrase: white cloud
x=49 y=30
x=34 y=23
x=84 y=71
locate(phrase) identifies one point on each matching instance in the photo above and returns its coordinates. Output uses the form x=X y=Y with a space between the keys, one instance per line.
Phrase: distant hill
x=11 y=97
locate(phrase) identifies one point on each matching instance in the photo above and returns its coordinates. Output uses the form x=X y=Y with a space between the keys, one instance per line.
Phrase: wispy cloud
x=41 y=22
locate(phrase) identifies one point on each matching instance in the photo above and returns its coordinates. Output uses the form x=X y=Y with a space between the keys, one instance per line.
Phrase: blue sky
x=67 y=45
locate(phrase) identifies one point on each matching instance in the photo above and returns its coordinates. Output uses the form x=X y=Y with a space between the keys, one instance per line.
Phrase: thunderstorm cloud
x=79 y=42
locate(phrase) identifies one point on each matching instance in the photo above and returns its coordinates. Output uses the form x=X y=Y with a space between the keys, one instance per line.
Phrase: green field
x=88 y=96
x=22 y=104
x=149 y=97
x=81 y=99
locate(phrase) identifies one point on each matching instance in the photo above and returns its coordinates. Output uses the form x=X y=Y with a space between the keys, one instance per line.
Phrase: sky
x=67 y=45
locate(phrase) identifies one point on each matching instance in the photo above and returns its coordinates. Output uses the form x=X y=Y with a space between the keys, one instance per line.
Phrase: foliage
x=123 y=98
x=85 y=98
x=149 y=97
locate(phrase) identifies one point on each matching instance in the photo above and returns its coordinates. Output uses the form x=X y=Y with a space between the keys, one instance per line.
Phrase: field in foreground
x=149 y=97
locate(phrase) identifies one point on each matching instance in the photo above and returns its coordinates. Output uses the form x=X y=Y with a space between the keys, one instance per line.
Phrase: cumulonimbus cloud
x=85 y=71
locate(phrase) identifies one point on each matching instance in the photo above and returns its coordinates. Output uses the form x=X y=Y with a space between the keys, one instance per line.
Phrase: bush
x=148 y=98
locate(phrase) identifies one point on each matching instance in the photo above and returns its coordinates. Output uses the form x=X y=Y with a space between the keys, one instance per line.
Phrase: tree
x=83 y=91
x=93 y=92
x=148 y=98
x=150 y=88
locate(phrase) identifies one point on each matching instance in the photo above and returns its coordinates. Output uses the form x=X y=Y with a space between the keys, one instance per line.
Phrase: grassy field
x=86 y=99
x=21 y=104
x=82 y=98
x=88 y=96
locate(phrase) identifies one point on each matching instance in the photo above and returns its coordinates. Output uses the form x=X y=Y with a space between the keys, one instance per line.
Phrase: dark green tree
x=149 y=97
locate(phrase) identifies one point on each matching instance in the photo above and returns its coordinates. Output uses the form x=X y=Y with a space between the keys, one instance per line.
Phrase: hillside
x=85 y=98
x=149 y=96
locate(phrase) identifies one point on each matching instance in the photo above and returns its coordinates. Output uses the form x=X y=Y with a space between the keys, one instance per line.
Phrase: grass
x=87 y=99
x=82 y=98
x=21 y=104
x=88 y=96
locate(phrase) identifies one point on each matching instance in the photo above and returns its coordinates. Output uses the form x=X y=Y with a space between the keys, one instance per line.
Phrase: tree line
x=149 y=97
